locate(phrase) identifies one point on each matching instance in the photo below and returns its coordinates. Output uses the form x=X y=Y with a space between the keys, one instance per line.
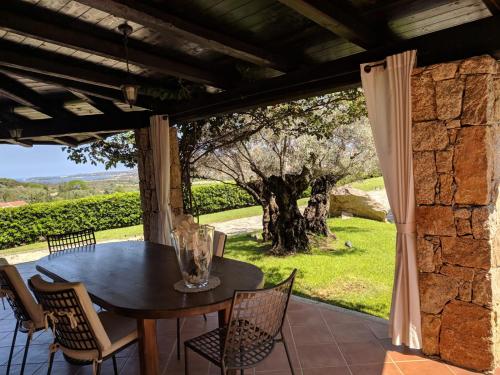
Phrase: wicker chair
x=28 y=314
x=71 y=240
x=219 y=248
x=84 y=336
x=255 y=326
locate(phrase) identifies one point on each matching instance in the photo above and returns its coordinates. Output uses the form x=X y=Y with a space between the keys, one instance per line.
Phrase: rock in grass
x=348 y=244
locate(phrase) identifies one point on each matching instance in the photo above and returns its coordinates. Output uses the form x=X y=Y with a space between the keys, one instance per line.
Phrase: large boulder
x=356 y=202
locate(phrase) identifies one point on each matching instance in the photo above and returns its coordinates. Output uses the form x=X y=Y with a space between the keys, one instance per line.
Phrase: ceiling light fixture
x=130 y=89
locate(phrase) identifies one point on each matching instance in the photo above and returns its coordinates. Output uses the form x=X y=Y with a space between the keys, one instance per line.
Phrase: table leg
x=148 y=347
x=223 y=320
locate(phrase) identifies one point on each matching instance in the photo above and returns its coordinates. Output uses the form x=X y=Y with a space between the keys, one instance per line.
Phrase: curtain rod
x=368 y=68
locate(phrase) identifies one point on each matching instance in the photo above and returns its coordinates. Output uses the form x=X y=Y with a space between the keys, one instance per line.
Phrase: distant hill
x=46 y=189
x=129 y=176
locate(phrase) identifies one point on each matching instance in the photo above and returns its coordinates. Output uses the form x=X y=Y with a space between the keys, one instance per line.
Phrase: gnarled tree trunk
x=257 y=188
x=318 y=205
x=290 y=234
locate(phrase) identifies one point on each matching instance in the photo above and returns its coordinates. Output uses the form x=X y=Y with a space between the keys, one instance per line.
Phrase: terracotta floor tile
x=380 y=330
x=364 y=352
x=320 y=355
x=277 y=360
x=352 y=332
x=307 y=316
x=402 y=353
x=461 y=371
x=375 y=369
x=336 y=317
x=326 y=371
x=311 y=335
x=425 y=367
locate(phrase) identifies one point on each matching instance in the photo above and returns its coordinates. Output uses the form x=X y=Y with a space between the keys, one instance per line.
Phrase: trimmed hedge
x=219 y=197
x=28 y=224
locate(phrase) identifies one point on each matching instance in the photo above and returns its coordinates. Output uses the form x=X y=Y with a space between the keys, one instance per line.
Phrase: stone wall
x=147 y=182
x=456 y=151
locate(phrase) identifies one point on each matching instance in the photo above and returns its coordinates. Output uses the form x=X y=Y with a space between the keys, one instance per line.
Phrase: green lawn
x=358 y=278
x=375 y=183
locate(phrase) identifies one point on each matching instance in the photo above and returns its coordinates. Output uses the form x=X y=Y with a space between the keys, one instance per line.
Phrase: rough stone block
x=467 y=252
x=481 y=223
x=496 y=106
x=431 y=325
x=473 y=166
x=440 y=72
x=435 y=220
x=457 y=272
x=449 y=98
x=463 y=227
x=479 y=65
x=465 y=339
x=444 y=161
x=429 y=136
x=425 y=177
x=465 y=291
x=436 y=291
x=452 y=124
x=478 y=100
x=445 y=189
x=425 y=255
x=481 y=289
x=452 y=136
x=462 y=213
x=423 y=98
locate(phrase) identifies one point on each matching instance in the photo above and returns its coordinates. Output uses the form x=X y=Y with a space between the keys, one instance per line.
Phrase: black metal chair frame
x=70 y=240
x=21 y=316
x=221 y=339
x=64 y=334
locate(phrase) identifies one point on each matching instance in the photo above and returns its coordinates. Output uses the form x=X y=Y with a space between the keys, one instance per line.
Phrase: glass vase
x=194 y=250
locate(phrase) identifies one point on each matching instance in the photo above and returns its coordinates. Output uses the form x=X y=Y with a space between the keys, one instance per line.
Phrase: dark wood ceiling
x=62 y=62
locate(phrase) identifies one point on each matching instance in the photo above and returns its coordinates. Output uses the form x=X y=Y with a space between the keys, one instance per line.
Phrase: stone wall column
x=456 y=152
x=147 y=183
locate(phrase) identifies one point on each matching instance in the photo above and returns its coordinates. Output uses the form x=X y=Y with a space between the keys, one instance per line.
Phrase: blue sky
x=40 y=161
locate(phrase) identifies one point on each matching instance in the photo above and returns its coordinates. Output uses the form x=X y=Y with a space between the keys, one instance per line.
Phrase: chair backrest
x=71 y=240
x=19 y=297
x=219 y=243
x=256 y=317
x=76 y=325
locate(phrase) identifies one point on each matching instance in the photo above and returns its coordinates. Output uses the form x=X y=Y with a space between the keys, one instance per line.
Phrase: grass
x=375 y=183
x=358 y=278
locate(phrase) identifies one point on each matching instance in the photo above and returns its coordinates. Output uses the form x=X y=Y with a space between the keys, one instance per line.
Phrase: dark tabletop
x=136 y=279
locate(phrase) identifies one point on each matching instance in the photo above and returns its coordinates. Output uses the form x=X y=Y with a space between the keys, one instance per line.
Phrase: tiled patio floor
x=323 y=341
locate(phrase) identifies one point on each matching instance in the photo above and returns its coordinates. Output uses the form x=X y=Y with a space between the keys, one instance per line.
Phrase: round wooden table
x=136 y=279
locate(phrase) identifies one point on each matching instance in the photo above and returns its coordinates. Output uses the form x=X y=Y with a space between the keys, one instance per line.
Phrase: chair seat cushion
x=121 y=330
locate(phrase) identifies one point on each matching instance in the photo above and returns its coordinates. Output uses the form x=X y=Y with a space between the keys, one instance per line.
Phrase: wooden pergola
x=62 y=62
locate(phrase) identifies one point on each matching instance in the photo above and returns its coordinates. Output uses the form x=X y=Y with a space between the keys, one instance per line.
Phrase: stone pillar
x=456 y=153
x=147 y=184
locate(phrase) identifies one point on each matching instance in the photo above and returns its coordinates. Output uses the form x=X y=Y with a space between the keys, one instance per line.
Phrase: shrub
x=28 y=224
x=220 y=197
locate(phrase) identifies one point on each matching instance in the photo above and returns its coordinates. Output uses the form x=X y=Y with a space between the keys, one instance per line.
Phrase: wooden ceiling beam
x=476 y=38
x=493 y=6
x=43 y=24
x=343 y=20
x=50 y=63
x=28 y=97
x=77 y=125
x=65 y=141
x=78 y=86
x=163 y=22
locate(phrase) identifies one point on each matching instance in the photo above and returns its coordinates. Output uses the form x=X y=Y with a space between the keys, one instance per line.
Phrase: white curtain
x=388 y=98
x=160 y=144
